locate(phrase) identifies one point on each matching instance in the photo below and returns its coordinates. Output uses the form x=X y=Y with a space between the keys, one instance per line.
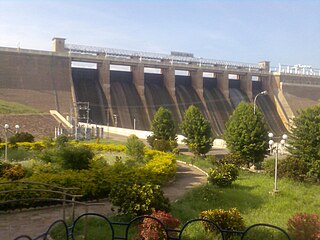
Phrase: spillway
x=269 y=110
x=157 y=96
x=88 y=89
x=127 y=108
x=218 y=106
x=126 y=104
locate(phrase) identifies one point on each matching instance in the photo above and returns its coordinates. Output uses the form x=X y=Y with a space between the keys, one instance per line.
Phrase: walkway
x=36 y=221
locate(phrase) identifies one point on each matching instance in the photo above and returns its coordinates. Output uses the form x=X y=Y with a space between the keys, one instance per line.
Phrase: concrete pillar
x=169 y=77
x=104 y=78
x=170 y=80
x=138 y=78
x=58 y=45
x=138 y=81
x=223 y=83
x=246 y=84
x=197 y=81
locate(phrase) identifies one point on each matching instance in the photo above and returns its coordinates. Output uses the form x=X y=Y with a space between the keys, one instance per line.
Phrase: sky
x=248 y=31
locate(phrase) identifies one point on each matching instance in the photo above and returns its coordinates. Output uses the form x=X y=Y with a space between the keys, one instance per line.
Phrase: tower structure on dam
x=105 y=94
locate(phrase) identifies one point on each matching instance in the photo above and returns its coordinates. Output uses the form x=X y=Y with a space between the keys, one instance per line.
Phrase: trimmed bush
x=75 y=157
x=304 y=226
x=138 y=199
x=234 y=158
x=61 y=140
x=21 y=137
x=289 y=167
x=12 y=171
x=223 y=174
x=161 y=169
x=37 y=146
x=151 y=229
x=226 y=219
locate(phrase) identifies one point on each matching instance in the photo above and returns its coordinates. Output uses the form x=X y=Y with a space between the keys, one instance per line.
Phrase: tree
x=164 y=130
x=135 y=148
x=304 y=140
x=197 y=131
x=246 y=133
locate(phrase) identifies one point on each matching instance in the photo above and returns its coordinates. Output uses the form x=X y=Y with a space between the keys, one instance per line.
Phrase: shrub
x=304 y=226
x=75 y=157
x=28 y=146
x=61 y=140
x=223 y=174
x=233 y=158
x=138 y=199
x=161 y=169
x=21 y=137
x=227 y=220
x=135 y=148
x=150 y=229
x=289 y=167
x=18 y=154
x=12 y=171
x=103 y=147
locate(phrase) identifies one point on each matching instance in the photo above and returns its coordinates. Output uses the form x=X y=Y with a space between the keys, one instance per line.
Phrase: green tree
x=246 y=133
x=164 y=130
x=135 y=149
x=304 y=140
x=197 y=131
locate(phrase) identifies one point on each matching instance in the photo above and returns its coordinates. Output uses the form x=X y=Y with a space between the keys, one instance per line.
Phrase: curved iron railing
x=85 y=227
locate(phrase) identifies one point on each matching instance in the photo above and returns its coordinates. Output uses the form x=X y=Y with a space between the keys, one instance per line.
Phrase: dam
x=125 y=88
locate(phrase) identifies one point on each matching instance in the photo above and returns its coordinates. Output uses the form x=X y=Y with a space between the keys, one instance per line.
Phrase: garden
x=131 y=176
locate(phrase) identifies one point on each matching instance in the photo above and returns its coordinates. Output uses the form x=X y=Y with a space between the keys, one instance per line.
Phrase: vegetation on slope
x=17 y=108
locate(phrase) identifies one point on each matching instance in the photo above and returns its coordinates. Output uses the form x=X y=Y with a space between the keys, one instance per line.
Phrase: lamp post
x=17 y=127
x=271 y=145
x=255 y=99
x=115 y=120
x=6 y=127
x=134 y=123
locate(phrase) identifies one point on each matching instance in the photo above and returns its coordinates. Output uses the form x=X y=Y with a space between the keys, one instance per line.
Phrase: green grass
x=251 y=195
x=17 y=108
x=202 y=163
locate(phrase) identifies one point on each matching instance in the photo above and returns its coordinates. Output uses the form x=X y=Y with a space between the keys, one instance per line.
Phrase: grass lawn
x=250 y=194
x=13 y=107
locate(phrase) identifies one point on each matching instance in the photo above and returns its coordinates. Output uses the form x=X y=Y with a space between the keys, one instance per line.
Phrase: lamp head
x=284 y=136
x=6 y=126
x=271 y=142
x=17 y=126
x=270 y=135
x=264 y=92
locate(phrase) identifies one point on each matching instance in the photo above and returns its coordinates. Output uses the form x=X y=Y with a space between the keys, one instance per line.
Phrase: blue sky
x=286 y=32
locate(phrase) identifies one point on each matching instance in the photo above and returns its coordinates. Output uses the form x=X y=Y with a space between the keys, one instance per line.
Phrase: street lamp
x=134 y=123
x=17 y=127
x=6 y=127
x=115 y=120
x=276 y=145
x=255 y=99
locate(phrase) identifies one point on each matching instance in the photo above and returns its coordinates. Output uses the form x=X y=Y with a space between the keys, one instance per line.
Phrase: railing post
x=64 y=205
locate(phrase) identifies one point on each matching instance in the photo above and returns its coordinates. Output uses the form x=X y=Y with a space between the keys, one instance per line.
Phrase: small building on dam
x=125 y=88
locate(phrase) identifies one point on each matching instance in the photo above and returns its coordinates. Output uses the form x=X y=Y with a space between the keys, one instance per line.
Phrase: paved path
x=35 y=222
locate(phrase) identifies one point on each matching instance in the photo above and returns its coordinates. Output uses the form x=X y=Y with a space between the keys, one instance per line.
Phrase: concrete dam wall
x=46 y=80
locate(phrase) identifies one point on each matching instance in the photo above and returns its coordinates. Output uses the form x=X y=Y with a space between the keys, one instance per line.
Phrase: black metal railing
x=60 y=195
x=93 y=226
